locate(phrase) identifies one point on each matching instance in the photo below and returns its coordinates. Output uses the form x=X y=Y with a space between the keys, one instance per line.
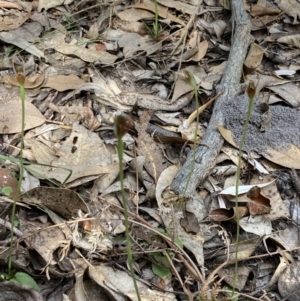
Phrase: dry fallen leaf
x=287 y=158
x=254 y=56
x=11 y=115
x=183 y=7
x=228 y=214
x=45 y=241
x=258 y=204
x=290 y=7
x=63 y=82
x=87 y=55
x=64 y=202
x=11 y=38
x=258 y=10
x=278 y=207
x=83 y=152
x=47 y=4
x=121 y=284
x=200 y=54
x=15 y=21
x=162 y=11
x=227 y=135
x=31 y=82
x=155 y=161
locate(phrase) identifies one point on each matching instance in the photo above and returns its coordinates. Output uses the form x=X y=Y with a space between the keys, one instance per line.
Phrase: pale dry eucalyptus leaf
x=254 y=56
x=47 y=4
x=155 y=161
x=42 y=153
x=182 y=86
x=291 y=40
x=289 y=92
x=29 y=182
x=63 y=82
x=288 y=158
x=87 y=55
x=164 y=181
x=258 y=224
x=162 y=11
x=243 y=188
x=15 y=21
x=31 y=82
x=45 y=241
x=132 y=43
x=11 y=115
x=129 y=184
x=64 y=202
x=119 y=284
x=83 y=152
x=134 y=14
x=183 y=7
x=290 y=7
x=11 y=38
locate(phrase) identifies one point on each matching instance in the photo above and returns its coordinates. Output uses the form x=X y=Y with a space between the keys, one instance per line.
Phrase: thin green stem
x=193 y=83
x=238 y=173
x=13 y=213
x=128 y=240
x=156 y=31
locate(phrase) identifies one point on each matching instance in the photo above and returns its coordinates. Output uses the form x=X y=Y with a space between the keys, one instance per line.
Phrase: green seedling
x=122 y=126
x=154 y=31
x=7 y=190
x=162 y=267
x=26 y=279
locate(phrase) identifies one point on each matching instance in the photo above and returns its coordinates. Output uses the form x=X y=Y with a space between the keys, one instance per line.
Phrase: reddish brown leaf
x=258 y=203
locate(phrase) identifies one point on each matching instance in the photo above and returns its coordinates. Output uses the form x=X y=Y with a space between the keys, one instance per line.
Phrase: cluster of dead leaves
x=85 y=64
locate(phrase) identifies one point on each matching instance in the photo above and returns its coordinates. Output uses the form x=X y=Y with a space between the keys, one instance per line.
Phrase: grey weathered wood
x=212 y=142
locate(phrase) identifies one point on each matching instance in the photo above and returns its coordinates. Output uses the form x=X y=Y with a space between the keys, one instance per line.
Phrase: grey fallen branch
x=212 y=142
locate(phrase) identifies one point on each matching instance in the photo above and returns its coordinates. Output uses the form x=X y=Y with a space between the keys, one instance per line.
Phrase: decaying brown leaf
x=254 y=57
x=45 y=241
x=87 y=55
x=64 y=202
x=11 y=115
x=290 y=7
x=31 y=82
x=15 y=21
x=259 y=10
x=278 y=207
x=190 y=223
x=228 y=214
x=258 y=204
x=162 y=11
x=288 y=158
x=63 y=82
x=83 y=152
x=155 y=161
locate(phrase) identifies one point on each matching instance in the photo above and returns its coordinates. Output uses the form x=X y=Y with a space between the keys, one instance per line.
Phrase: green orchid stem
x=128 y=240
x=156 y=31
x=192 y=81
x=13 y=213
x=238 y=173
